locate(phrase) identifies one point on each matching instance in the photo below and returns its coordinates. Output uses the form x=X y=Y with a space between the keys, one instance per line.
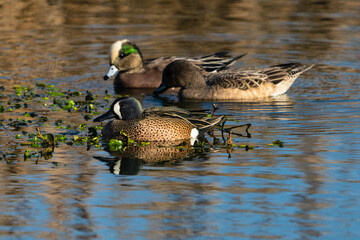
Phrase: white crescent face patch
x=117 y=110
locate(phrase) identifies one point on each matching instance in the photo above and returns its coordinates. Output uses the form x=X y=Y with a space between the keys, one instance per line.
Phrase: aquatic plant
x=39 y=134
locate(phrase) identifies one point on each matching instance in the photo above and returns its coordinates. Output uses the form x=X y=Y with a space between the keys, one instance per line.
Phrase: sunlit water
x=307 y=189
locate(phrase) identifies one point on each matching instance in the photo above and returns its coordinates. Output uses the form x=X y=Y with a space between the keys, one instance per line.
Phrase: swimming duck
x=125 y=58
x=230 y=84
x=153 y=124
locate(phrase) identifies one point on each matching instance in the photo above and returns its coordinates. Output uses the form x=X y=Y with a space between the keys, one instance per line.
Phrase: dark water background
x=308 y=189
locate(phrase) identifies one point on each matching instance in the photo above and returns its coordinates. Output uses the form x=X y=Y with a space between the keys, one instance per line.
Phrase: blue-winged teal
x=229 y=84
x=153 y=124
x=126 y=59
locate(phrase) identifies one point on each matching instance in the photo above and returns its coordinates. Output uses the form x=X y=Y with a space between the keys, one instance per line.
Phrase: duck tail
x=209 y=124
x=280 y=72
x=294 y=69
x=218 y=61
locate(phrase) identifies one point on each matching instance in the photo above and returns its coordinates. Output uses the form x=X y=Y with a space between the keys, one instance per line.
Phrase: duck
x=126 y=60
x=246 y=84
x=155 y=124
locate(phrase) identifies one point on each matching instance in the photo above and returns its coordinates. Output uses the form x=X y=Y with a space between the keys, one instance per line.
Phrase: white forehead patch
x=115 y=49
x=117 y=110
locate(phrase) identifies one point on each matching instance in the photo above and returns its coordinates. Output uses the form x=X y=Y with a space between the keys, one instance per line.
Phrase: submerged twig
x=248 y=125
x=40 y=135
x=49 y=141
x=229 y=144
x=229 y=140
x=215 y=107
x=222 y=128
x=229 y=129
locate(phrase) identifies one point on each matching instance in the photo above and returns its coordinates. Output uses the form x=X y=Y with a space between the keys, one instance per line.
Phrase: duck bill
x=107 y=115
x=111 y=72
x=162 y=88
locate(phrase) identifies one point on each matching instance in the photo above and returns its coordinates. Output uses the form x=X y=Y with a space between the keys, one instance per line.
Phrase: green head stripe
x=128 y=49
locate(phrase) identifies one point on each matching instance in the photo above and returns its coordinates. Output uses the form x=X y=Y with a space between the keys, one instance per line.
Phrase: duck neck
x=194 y=81
x=132 y=70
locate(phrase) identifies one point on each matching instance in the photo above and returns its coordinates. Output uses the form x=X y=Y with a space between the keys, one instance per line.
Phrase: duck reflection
x=123 y=166
x=130 y=159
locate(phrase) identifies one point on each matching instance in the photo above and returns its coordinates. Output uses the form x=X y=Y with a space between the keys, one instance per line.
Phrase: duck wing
x=200 y=120
x=216 y=62
x=210 y=63
x=203 y=124
x=175 y=110
x=158 y=63
x=240 y=80
x=253 y=78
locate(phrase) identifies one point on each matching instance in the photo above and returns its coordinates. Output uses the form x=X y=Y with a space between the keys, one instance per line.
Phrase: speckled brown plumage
x=149 y=127
x=153 y=124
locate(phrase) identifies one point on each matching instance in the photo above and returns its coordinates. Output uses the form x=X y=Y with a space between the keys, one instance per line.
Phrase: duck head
x=181 y=73
x=124 y=56
x=124 y=108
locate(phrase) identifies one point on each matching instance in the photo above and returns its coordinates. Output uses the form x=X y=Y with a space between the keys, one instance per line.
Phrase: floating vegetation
x=27 y=126
x=38 y=119
x=246 y=147
x=276 y=143
x=17 y=105
x=32 y=114
x=41 y=85
x=82 y=126
x=115 y=145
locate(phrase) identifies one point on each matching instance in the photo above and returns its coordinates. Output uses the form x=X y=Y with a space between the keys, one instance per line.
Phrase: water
x=307 y=189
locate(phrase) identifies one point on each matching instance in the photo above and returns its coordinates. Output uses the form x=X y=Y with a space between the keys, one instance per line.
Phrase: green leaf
x=82 y=126
x=278 y=143
x=61 y=138
x=115 y=145
x=17 y=105
x=41 y=85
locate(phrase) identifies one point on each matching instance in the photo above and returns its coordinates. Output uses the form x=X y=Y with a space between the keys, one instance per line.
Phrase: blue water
x=307 y=189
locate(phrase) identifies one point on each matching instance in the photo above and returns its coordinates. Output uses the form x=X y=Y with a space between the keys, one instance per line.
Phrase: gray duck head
x=181 y=73
x=124 y=108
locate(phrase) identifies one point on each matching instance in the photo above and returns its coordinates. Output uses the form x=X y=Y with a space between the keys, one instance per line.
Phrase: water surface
x=307 y=189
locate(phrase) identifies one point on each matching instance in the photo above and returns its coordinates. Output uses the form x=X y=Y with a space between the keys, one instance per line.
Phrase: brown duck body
x=126 y=60
x=149 y=127
x=230 y=84
x=218 y=92
x=148 y=76
x=153 y=124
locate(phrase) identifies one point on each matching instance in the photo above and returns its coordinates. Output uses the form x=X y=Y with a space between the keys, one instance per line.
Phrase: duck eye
x=122 y=55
